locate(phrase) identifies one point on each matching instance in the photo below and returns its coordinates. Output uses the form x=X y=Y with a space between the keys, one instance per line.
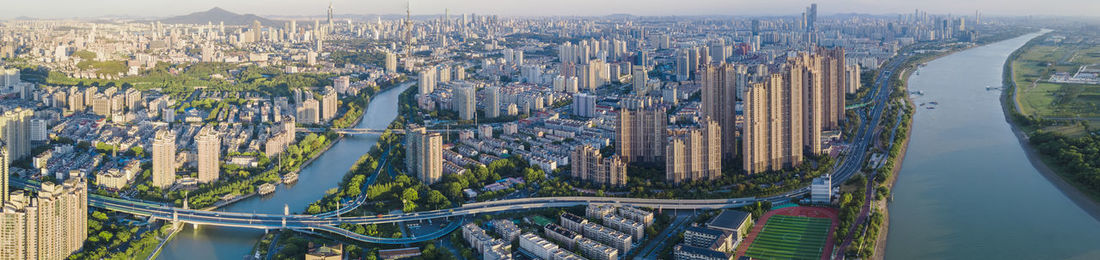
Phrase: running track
x=813 y=212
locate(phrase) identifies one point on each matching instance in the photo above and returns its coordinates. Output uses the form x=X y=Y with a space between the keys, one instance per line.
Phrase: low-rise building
x=614 y=238
x=637 y=215
x=733 y=221
x=538 y=246
x=506 y=229
x=573 y=222
x=564 y=237
x=712 y=239
x=596 y=250
x=562 y=254
x=598 y=210
x=686 y=252
x=634 y=229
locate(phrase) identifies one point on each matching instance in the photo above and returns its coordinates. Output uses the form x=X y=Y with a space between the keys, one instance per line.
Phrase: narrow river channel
x=324 y=173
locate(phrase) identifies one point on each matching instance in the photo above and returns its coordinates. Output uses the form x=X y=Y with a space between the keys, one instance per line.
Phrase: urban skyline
x=556 y=130
x=317 y=9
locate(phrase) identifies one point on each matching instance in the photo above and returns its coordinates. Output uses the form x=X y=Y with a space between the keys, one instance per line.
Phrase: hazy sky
x=145 y=8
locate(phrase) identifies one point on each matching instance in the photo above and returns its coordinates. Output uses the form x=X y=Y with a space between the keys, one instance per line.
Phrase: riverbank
x=1010 y=106
x=898 y=161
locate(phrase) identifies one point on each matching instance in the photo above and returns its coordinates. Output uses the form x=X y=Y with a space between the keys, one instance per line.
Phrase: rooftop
x=728 y=219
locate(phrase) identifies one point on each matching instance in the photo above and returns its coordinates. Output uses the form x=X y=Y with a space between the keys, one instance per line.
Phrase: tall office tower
x=640 y=134
x=329 y=104
x=427 y=81
x=640 y=76
x=50 y=226
x=465 y=102
x=492 y=102
x=833 y=78
x=764 y=132
x=424 y=154
x=15 y=130
x=719 y=102
x=209 y=152
x=164 y=158
x=330 y=11
x=391 y=62
x=341 y=84
x=309 y=112
x=694 y=153
x=811 y=17
x=853 y=79
x=589 y=165
x=641 y=58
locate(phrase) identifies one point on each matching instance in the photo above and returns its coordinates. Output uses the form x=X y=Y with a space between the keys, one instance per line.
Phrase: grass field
x=790 y=237
x=1037 y=97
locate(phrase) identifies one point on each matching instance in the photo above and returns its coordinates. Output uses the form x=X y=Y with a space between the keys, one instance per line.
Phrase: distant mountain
x=217 y=15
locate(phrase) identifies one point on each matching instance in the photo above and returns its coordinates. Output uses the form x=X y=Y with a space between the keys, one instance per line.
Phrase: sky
x=165 y=8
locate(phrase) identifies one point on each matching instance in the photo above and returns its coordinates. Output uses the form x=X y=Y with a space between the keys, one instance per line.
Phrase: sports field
x=791 y=237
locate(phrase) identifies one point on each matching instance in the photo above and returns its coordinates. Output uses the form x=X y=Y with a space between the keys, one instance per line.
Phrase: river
x=966 y=189
x=208 y=242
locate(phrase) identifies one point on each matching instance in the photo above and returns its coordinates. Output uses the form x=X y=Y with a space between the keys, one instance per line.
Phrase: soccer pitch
x=790 y=237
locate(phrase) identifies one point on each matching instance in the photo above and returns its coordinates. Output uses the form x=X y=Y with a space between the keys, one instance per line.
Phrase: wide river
x=208 y=242
x=967 y=189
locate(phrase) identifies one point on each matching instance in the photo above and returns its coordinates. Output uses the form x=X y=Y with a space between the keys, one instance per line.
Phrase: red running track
x=813 y=212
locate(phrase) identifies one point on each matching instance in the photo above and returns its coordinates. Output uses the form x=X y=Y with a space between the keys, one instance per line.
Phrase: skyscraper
x=719 y=95
x=4 y=163
x=492 y=102
x=309 y=111
x=589 y=165
x=771 y=135
x=833 y=93
x=424 y=154
x=15 y=130
x=804 y=71
x=853 y=82
x=209 y=152
x=640 y=77
x=50 y=226
x=164 y=158
x=694 y=153
x=465 y=102
x=640 y=134
x=427 y=81
x=391 y=62
x=328 y=104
